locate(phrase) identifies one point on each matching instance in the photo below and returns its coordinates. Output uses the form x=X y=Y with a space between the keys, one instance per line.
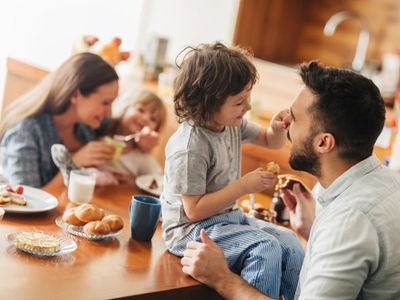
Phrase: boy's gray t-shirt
x=199 y=161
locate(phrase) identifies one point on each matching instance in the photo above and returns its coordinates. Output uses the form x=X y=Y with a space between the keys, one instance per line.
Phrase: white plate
x=37 y=199
x=66 y=245
x=78 y=230
x=144 y=182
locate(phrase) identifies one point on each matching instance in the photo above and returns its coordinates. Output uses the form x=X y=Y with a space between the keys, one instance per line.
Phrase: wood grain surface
x=116 y=268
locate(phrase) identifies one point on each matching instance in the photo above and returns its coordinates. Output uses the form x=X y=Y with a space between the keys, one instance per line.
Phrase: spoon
x=252 y=201
x=125 y=138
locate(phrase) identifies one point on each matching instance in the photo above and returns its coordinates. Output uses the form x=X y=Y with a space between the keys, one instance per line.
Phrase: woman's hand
x=94 y=153
x=257 y=181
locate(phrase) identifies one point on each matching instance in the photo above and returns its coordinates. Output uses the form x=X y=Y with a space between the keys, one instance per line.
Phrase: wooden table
x=119 y=268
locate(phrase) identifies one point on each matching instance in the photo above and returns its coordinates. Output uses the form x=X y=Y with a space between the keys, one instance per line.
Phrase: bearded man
x=353 y=249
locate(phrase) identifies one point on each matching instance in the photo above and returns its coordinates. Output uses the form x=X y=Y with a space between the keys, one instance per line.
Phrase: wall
x=41 y=32
x=187 y=22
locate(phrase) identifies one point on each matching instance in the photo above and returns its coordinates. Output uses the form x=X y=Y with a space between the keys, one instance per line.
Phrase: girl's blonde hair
x=131 y=98
x=84 y=71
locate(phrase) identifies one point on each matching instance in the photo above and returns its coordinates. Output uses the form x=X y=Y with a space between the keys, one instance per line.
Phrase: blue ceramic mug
x=144 y=214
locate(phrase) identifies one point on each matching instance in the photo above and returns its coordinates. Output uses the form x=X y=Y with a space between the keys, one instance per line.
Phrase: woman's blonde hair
x=84 y=71
x=131 y=98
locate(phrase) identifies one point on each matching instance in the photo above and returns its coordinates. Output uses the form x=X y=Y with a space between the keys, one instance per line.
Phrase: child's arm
x=274 y=137
x=199 y=207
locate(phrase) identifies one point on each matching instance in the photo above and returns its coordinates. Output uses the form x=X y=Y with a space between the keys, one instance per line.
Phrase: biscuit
x=115 y=222
x=97 y=227
x=273 y=167
x=89 y=212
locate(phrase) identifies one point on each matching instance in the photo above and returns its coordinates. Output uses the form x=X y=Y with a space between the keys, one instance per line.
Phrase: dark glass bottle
x=283 y=215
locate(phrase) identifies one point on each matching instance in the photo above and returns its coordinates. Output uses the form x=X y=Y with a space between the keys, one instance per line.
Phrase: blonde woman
x=142 y=112
x=65 y=108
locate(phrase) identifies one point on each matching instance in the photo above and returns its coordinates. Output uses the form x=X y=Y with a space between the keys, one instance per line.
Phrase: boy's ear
x=325 y=142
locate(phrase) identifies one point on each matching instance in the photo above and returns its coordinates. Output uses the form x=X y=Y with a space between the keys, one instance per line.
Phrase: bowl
x=2 y=212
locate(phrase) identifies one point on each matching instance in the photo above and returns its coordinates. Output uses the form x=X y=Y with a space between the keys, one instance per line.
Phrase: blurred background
x=42 y=32
x=363 y=35
x=359 y=34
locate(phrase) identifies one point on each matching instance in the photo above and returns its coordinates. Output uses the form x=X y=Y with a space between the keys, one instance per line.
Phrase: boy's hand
x=278 y=121
x=257 y=181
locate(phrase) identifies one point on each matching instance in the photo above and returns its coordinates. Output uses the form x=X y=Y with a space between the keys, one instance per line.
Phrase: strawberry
x=10 y=189
x=117 y=41
x=125 y=55
x=19 y=189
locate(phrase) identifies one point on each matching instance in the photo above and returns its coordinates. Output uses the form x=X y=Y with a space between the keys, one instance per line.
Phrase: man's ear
x=75 y=96
x=325 y=142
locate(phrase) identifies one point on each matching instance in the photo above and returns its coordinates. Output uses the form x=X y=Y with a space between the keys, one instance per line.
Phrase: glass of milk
x=81 y=186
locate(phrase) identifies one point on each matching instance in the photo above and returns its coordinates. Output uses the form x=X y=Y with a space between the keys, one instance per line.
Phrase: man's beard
x=306 y=160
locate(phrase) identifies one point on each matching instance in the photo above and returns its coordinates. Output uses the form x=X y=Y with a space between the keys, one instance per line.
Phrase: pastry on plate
x=37 y=241
x=115 y=222
x=265 y=214
x=97 y=228
x=89 y=212
x=5 y=200
x=153 y=184
x=70 y=218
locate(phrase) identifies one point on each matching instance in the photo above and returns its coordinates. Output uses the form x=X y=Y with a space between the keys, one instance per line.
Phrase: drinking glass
x=81 y=186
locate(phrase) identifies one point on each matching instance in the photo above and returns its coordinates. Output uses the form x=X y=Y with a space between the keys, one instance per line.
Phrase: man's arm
x=345 y=251
x=206 y=263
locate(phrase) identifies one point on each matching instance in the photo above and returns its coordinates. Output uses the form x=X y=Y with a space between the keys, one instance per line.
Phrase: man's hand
x=302 y=209
x=205 y=261
x=93 y=154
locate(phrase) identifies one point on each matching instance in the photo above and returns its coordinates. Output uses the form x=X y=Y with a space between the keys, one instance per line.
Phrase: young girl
x=141 y=112
x=202 y=180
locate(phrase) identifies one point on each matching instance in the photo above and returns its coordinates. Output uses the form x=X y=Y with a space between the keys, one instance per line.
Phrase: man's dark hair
x=207 y=75
x=349 y=106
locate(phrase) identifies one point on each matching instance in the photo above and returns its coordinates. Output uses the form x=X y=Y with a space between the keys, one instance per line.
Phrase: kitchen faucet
x=363 y=40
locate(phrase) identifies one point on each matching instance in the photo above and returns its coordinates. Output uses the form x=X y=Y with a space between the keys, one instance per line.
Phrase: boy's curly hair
x=207 y=75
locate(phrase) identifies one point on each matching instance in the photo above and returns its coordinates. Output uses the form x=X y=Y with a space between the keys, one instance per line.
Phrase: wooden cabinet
x=291 y=31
